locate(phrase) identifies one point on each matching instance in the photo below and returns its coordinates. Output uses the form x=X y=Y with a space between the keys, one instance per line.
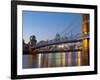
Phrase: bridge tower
x=85 y=42
x=33 y=41
x=33 y=58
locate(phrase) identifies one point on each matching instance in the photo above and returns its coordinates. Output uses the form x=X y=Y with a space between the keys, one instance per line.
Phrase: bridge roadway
x=60 y=42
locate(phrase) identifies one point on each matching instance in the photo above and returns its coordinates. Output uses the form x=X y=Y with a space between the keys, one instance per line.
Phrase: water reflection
x=52 y=60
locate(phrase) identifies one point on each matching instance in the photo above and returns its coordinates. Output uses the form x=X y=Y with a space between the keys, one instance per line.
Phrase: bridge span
x=61 y=42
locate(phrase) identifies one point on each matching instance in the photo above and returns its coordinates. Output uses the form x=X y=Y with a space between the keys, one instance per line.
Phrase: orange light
x=79 y=58
x=85 y=43
x=69 y=59
x=63 y=59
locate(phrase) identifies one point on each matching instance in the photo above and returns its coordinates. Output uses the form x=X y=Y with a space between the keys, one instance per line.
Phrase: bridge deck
x=58 y=42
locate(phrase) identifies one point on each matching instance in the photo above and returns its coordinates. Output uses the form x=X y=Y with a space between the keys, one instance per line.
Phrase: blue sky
x=45 y=25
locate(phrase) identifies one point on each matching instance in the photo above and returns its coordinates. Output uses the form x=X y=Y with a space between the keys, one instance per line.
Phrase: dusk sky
x=45 y=25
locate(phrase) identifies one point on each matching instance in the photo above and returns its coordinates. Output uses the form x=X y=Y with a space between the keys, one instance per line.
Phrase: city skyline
x=45 y=25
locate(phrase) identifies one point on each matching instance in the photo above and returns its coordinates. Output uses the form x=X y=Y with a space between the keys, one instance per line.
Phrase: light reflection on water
x=52 y=60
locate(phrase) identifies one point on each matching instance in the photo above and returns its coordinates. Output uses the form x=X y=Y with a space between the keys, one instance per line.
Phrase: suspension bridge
x=72 y=39
x=65 y=50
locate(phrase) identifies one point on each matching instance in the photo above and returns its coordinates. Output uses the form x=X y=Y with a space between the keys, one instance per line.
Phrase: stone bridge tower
x=33 y=57
x=85 y=42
